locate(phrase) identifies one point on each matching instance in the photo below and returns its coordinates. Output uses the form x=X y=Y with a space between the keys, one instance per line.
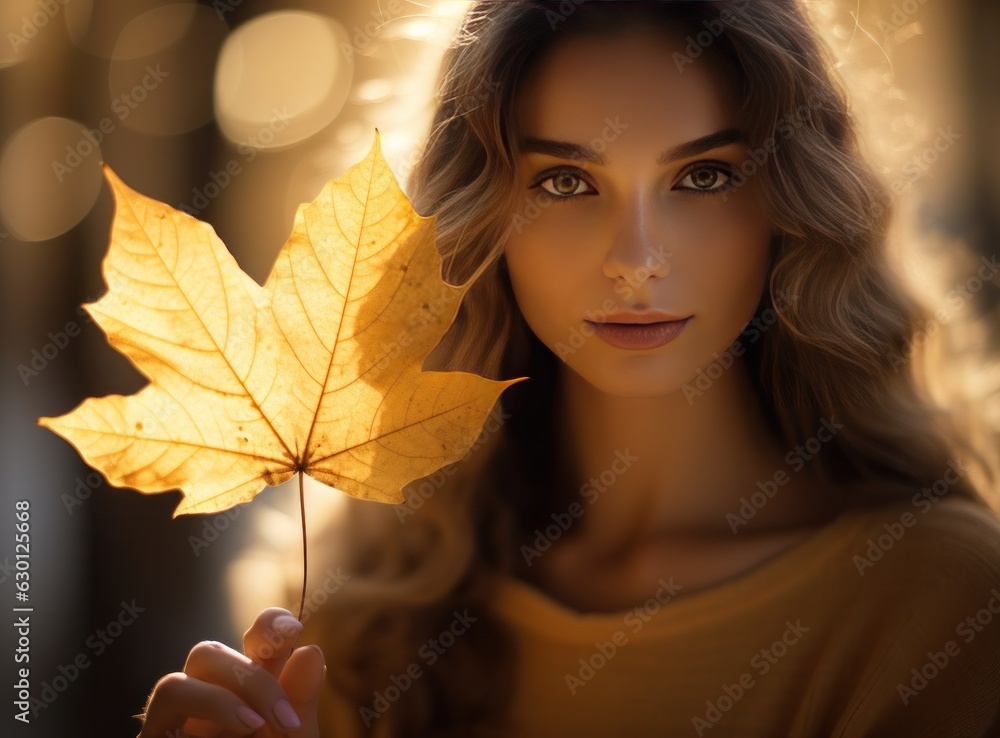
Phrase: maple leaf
x=317 y=372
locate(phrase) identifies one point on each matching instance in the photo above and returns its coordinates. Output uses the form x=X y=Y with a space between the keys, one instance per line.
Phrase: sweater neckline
x=531 y=608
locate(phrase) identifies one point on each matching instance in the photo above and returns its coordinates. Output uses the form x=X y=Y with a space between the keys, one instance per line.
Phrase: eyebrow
x=569 y=150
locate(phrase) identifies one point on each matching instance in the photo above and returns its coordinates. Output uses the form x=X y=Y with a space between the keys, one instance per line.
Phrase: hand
x=271 y=691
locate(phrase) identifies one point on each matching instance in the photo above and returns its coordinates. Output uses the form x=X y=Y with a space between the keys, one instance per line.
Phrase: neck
x=667 y=466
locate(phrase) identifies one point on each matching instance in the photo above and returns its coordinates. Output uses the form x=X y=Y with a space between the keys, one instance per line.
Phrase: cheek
x=552 y=239
x=727 y=257
x=548 y=266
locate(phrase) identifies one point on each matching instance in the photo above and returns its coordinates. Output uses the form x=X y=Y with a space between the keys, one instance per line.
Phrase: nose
x=637 y=252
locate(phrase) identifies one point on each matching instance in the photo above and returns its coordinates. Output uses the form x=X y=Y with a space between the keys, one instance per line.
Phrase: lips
x=639 y=335
x=642 y=318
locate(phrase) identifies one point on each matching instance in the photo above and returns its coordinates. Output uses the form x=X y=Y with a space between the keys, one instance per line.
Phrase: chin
x=635 y=377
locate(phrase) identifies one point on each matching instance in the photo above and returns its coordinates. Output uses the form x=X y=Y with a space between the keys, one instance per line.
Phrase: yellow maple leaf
x=318 y=371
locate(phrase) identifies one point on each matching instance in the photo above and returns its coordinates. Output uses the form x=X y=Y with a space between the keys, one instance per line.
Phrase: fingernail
x=286 y=623
x=319 y=651
x=250 y=718
x=286 y=715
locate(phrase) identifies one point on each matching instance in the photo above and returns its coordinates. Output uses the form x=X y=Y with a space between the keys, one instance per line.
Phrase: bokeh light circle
x=96 y=26
x=155 y=30
x=21 y=23
x=50 y=177
x=281 y=78
x=158 y=80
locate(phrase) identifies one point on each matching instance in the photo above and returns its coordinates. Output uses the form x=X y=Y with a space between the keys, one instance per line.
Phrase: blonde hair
x=831 y=352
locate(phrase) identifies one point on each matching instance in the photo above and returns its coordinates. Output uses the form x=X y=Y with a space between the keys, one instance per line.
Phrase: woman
x=721 y=506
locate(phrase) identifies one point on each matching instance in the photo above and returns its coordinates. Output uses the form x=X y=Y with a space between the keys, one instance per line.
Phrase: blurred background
x=237 y=111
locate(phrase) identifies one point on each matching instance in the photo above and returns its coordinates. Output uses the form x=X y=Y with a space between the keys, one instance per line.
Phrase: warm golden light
x=97 y=27
x=154 y=31
x=21 y=22
x=372 y=90
x=158 y=79
x=281 y=78
x=50 y=177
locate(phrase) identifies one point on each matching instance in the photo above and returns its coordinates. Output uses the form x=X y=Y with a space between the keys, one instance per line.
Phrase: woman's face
x=616 y=216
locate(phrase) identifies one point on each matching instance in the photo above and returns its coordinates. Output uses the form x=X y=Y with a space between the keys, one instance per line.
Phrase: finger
x=177 y=697
x=271 y=638
x=219 y=664
x=302 y=679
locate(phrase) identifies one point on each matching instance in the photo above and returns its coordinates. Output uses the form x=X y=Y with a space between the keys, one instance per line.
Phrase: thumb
x=302 y=678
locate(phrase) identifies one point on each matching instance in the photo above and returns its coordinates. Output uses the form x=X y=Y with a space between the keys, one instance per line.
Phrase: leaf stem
x=305 y=566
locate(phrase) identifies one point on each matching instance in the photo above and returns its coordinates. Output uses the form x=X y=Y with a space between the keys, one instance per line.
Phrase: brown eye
x=565 y=185
x=706 y=180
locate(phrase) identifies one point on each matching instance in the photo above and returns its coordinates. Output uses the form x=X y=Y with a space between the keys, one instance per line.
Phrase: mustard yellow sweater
x=884 y=623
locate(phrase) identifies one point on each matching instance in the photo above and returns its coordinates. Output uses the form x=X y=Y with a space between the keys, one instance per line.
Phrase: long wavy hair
x=843 y=348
